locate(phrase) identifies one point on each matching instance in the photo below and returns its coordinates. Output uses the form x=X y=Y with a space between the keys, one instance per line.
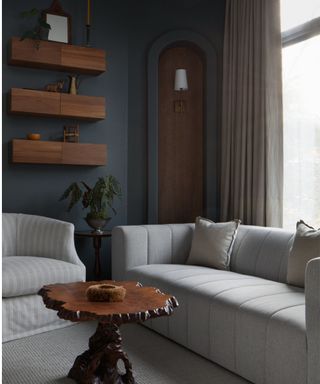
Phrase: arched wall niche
x=195 y=41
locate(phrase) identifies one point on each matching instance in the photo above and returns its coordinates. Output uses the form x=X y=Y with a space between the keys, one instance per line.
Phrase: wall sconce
x=180 y=85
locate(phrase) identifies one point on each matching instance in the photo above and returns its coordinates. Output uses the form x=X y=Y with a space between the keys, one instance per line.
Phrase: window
x=301 y=106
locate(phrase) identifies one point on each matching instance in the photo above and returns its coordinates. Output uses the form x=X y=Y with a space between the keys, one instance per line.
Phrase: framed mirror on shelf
x=60 y=23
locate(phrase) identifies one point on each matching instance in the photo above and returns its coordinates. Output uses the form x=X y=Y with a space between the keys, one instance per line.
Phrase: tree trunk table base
x=98 y=365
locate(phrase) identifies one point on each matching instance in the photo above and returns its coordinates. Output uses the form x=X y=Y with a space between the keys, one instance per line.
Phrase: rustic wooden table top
x=140 y=303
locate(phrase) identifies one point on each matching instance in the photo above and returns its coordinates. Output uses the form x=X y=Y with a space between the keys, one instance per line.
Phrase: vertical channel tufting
x=284 y=257
x=236 y=251
x=259 y=253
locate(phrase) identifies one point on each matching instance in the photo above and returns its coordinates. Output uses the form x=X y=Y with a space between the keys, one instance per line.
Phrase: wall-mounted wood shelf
x=57 y=56
x=54 y=104
x=56 y=152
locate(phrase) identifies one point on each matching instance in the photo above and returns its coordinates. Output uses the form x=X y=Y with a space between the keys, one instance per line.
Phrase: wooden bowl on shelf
x=33 y=136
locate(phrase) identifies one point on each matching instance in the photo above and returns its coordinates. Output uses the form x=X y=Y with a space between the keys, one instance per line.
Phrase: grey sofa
x=36 y=251
x=247 y=319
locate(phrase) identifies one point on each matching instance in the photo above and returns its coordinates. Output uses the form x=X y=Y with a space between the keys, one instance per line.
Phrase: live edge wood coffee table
x=98 y=364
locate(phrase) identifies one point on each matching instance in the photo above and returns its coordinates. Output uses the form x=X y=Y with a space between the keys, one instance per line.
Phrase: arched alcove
x=201 y=47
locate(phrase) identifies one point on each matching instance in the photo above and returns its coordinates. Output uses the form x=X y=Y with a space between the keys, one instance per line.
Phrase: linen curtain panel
x=252 y=135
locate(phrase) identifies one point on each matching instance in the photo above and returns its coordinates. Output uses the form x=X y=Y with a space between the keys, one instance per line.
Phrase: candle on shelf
x=89 y=13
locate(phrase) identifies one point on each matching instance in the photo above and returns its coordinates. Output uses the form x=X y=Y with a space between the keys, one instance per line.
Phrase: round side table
x=96 y=239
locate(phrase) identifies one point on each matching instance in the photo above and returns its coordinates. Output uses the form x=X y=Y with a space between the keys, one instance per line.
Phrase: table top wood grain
x=140 y=303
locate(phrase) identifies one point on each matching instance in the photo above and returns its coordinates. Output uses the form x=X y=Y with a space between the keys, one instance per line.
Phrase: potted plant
x=98 y=199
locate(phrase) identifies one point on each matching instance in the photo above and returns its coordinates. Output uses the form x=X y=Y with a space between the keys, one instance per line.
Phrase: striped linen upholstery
x=45 y=237
x=36 y=251
x=26 y=315
x=25 y=275
x=9 y=234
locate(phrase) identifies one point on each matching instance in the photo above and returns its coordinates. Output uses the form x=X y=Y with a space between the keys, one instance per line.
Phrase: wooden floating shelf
x=54 y=104
x=56 y=152
x=57 y=56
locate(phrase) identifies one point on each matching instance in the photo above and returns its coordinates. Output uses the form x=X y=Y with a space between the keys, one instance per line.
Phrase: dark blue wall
x=125 y=29
x=35 y=189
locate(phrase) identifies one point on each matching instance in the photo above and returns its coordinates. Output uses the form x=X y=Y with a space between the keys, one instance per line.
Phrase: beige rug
x=47 y=358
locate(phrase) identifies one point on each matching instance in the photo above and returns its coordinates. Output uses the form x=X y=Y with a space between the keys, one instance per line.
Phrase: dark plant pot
x=97 y=224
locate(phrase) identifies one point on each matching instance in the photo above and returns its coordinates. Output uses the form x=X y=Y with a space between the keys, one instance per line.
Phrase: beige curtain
x=252 y=139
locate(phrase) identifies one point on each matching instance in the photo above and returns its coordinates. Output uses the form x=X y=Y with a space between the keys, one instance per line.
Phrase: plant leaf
x=44 y=24
x=75 y=194
x=31 y=13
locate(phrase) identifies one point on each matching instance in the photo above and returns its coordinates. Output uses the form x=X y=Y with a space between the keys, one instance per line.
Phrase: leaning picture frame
x=60 y=23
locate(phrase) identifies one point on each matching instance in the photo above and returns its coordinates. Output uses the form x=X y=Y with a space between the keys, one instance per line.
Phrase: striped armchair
x=36 y=251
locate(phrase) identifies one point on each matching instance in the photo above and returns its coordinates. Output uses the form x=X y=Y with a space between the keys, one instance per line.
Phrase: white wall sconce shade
x=181 y=81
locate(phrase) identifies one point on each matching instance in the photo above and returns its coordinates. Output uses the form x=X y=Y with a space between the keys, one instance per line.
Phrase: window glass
x=295 y=12
x=301 y=98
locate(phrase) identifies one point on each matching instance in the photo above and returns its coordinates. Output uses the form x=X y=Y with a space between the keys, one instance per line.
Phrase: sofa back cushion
x=262 y=252
x=9 y=234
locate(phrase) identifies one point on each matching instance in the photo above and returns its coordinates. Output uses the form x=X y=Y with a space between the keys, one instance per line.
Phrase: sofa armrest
x=138 y=245
x=45 y=237
x=312 y=292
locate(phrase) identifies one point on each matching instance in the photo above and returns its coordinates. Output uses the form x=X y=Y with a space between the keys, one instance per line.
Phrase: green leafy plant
x=98 y=199
x=41 y=26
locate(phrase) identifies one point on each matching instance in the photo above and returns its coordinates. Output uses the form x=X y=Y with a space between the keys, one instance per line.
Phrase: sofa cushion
x=306 y=246
x=234 y=319
x=25 y=275
x=212 y=243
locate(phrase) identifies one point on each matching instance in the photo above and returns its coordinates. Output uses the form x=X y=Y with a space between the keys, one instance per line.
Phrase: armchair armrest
x=312 y=292
x=46 y=237
x=137 y=245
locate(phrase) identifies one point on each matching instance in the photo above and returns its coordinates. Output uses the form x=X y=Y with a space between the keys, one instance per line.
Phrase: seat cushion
x=235 y=320
x=25 y=275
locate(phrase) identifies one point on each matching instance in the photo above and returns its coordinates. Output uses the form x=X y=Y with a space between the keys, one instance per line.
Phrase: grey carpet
x=46 y=358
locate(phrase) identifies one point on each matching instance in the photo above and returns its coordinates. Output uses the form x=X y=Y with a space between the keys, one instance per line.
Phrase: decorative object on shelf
x=55 y=87
x=106 y=292
x=71 y=133
x=88 y=24
x=73 y=84
x=60 y=23
x=40 y=30
x=180 y=85
x=33 y=136
x=98 y=199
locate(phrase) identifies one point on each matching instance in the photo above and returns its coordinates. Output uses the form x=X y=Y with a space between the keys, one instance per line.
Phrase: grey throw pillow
x=212 y=243
x=306 y=246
